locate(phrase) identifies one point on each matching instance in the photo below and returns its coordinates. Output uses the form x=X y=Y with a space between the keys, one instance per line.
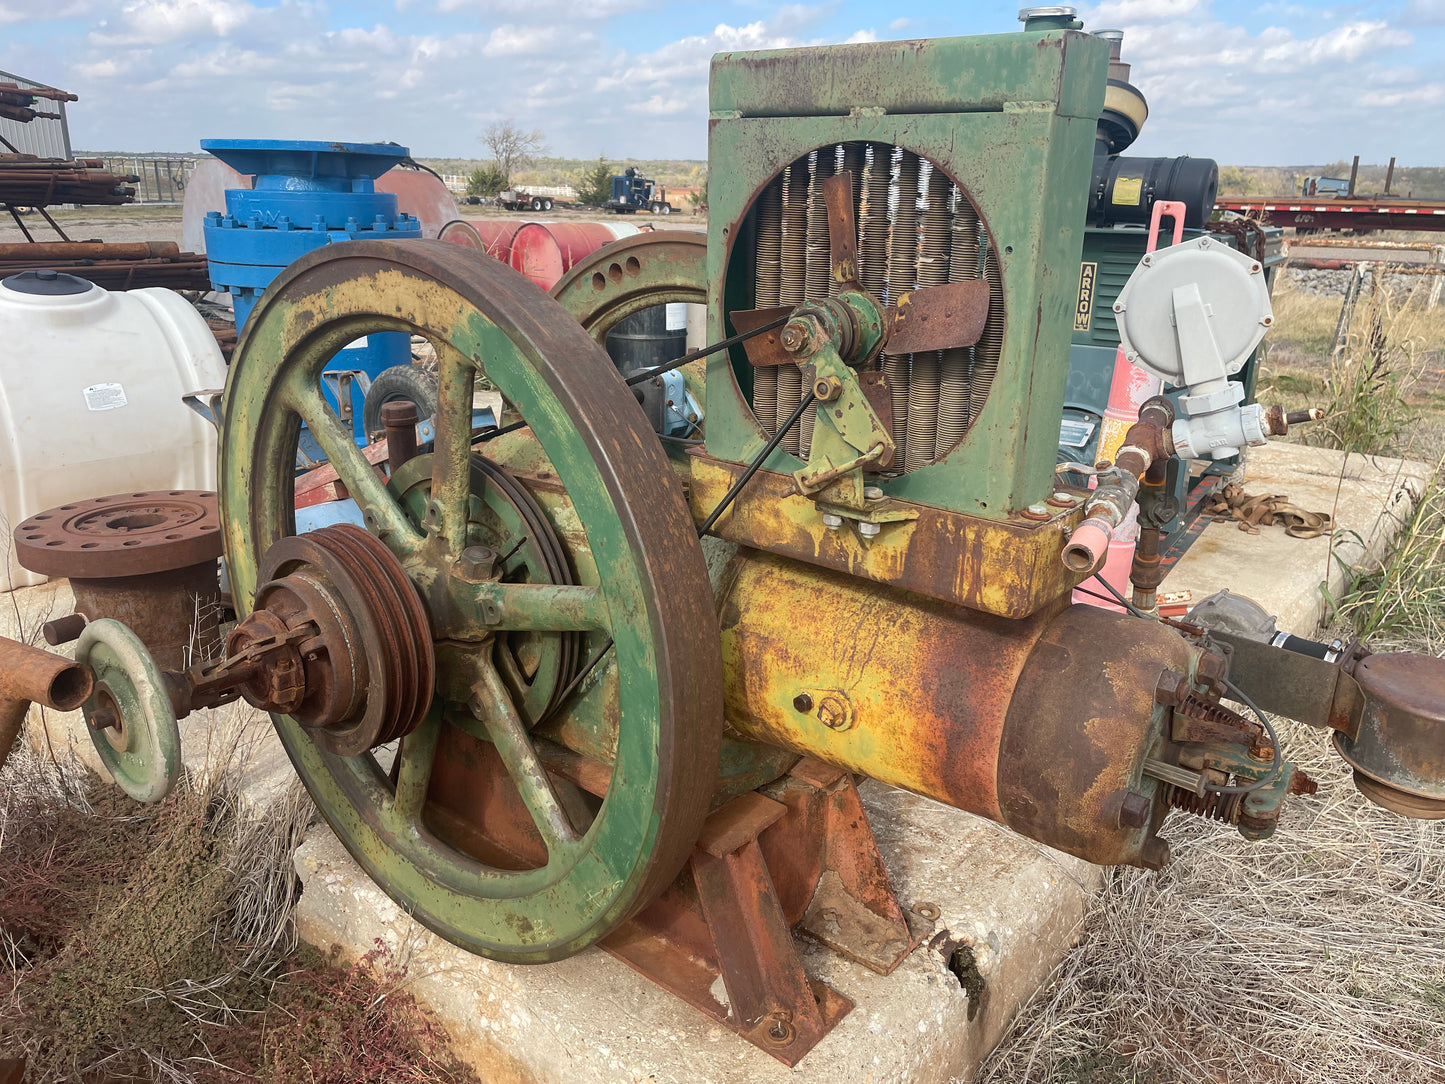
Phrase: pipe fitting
x=31 y=676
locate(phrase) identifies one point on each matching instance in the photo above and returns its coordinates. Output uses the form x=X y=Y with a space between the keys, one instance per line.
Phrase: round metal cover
x=129 y=534
x=1235 y=296
x=47 y=283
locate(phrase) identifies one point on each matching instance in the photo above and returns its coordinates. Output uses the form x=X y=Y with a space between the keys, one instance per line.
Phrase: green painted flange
x=142 y=751
x=600 y=860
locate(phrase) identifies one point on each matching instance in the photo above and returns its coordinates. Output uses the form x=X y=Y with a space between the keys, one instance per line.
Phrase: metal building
x=42 y=137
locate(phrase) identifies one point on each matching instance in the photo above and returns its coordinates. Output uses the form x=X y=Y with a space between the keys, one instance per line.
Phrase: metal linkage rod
x=757 y=462
x=742 y=336
x=647 y=374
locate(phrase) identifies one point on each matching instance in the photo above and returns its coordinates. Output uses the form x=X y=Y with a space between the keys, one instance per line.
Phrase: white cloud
x=151 y=22
x=1135 y=11
x=899 y=24
x=521 y=40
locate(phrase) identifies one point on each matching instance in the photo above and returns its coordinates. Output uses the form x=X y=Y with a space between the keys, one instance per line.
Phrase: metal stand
x=799 y=852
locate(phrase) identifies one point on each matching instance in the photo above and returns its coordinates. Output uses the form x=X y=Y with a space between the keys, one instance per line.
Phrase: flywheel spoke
x=539 y=607
x=418 y=751
x=451 y=462
x=384 y=516
x=492 y=703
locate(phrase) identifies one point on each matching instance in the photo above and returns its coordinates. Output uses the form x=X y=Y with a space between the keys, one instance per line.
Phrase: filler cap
x=46 y=283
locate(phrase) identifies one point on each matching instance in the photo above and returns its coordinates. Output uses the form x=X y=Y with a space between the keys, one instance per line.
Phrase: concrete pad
x=1018 y=905
x=1370 y=498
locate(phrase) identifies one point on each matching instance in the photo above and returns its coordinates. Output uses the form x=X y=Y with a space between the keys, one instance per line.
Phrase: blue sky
x=1262 y=84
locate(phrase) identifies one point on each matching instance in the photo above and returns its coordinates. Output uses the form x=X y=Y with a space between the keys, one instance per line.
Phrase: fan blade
x=842 y=230
x=767 y=348
x=938 y=317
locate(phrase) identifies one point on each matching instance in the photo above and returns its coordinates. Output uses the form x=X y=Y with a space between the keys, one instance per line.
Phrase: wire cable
x=1277 y=761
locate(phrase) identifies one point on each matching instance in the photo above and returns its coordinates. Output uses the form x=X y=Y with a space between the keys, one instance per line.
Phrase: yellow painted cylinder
x=1042 y=724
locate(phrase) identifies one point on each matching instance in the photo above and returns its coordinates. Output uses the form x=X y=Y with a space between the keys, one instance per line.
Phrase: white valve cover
x=1235 y=297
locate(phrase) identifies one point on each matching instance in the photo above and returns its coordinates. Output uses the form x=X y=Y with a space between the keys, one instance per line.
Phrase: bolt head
x=1134 y=811
x=476 y=563
x=872 y=493
x=803 y=702
x=833 y=713
x=831 y=521
x=869 y=530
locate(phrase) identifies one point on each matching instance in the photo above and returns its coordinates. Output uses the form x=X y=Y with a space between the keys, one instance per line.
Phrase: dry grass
x=1317 y=956
x=157 y=944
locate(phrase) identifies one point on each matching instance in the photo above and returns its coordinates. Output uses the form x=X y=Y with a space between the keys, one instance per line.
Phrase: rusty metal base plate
x=720 y=937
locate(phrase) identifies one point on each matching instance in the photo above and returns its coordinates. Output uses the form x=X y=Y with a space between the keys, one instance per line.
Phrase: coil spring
x=793 y=270
x=873 y=221
x=902 y=275
x=767 y=295
x=855 y=159
x=924 y=374
x=990 y=344
x=1217 y=807
x=955 y=408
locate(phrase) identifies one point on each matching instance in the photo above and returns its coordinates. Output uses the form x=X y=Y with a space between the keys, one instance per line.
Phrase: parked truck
x=632 y=192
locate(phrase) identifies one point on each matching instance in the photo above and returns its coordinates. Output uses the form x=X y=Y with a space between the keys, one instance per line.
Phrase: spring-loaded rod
x=638 y=378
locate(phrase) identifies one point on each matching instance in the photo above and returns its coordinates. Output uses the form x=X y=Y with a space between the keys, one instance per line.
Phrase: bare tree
x=511 y=147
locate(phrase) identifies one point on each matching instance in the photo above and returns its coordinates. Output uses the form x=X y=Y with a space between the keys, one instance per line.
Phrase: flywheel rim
x=482 y=314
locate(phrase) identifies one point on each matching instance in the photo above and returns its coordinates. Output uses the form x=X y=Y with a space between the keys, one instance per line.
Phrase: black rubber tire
x=409 y=382
x=536 y=203
x=667 y=208
x=548 y=205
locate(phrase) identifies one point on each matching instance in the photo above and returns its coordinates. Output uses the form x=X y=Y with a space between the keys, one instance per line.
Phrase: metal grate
x=916 y=228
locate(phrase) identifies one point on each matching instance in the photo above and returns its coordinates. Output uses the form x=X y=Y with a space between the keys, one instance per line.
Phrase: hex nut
x=1134 y=811
x=868 y=529
x=831 y=521
x=803 y=702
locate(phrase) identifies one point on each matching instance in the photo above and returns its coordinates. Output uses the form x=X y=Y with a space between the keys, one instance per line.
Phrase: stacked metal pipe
x=16 y=102
x=27 y=181
x=937 y=396
x=120 y=266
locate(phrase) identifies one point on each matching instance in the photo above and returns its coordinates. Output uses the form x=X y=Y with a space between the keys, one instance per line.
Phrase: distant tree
x=596 y=184
x=485 y=181
x=511 y=147
x=699 y=198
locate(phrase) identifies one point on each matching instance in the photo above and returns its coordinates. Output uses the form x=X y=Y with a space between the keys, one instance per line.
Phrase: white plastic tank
x=91 y=387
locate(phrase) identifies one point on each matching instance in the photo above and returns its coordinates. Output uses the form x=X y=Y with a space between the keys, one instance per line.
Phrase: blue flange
x=306 y=194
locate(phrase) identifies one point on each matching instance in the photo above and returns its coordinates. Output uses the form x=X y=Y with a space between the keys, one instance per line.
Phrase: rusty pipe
x=1147 y=442
x=31 y=676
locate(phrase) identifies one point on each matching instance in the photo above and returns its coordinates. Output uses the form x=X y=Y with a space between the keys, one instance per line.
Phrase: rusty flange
x=128 y=534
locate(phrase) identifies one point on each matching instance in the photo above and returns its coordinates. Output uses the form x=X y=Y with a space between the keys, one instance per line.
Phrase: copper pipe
x=29 y=675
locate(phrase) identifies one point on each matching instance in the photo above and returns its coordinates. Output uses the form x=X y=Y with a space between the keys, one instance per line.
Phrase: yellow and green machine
x=576 y=683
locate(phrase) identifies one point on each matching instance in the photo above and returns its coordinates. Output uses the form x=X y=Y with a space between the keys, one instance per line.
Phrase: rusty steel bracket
x=720 y=937
x=1300 y=687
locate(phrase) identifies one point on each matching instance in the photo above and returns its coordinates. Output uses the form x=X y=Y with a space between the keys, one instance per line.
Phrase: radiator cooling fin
x=916 y=229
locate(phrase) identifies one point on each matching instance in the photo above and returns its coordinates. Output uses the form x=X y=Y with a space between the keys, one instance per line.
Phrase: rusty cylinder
x=1041 y=724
